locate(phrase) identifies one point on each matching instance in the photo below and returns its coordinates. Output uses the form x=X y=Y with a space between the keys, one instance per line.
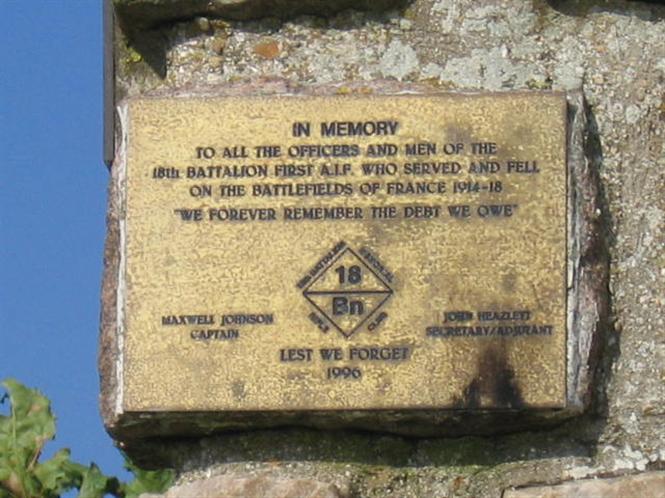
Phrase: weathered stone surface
x=261 y=486
x=615 y=49
x=648 y=485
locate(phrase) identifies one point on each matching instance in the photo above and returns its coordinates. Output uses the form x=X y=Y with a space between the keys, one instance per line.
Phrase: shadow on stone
x=142 y=14
x=609 y=346
x=367 y=449
x=152 y=46
x=580 y=8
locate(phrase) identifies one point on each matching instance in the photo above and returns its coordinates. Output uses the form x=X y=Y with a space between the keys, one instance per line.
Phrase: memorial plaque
x=351 y=252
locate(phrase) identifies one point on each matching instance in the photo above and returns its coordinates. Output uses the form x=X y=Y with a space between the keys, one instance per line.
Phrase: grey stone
x=649 y=485
x=398 y=61
x=261 y=486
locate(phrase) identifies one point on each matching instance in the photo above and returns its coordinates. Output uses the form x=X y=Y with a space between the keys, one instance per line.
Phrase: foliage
x=23 y=435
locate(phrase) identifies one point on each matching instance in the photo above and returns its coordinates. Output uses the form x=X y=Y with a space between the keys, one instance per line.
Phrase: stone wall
x=615 y=52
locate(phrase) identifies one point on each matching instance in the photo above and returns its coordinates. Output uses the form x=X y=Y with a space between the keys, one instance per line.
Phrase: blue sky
x=52 y=204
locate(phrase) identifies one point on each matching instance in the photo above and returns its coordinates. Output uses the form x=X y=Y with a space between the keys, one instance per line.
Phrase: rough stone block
x=262 y=486
x=648 y=485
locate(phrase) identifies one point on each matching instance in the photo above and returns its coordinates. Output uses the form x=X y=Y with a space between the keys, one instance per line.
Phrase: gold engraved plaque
x=344 y=253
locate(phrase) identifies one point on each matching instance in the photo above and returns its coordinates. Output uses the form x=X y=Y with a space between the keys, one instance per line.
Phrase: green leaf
x=23 y=434
x=59 y=474
x=94 y=483
x=32 y=486
x=14 y=485
x=146 y=481
x=29 y=425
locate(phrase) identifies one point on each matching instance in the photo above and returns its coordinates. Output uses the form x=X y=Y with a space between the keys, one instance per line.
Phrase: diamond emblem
x=348 y=292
